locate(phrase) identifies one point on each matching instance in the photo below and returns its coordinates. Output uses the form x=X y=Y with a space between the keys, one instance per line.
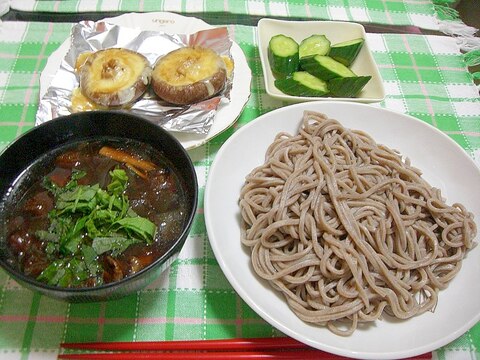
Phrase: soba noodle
x=347 y=230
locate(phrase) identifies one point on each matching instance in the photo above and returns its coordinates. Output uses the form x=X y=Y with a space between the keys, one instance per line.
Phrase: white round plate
x=174 y=24
x=445 y=165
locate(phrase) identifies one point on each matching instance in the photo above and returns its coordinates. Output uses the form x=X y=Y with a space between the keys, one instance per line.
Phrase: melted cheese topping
x=81 y=103
x=187 y=66
x=81 y=60
x=229 y=64
x=115 y=69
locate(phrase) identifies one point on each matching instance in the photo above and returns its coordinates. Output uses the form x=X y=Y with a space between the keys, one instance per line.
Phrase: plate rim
x=239 y=94
x=431 y=346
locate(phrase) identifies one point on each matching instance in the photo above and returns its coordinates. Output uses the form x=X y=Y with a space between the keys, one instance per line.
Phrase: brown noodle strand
x=347 y=229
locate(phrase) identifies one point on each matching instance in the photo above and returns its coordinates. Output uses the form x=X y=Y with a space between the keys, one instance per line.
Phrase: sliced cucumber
x=283 y=55
x=314 y=45
x=346 y=52
x=347 y=87
x=301 y=83
x=325 y=68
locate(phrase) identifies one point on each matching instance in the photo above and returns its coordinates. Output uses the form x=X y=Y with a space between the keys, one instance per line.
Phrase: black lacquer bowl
x=30 y=146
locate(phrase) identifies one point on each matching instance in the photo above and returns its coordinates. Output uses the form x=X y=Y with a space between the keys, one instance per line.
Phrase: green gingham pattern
x=420 y=13
x=424 y=76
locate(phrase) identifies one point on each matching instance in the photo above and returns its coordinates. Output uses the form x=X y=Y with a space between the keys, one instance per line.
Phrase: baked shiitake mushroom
x=114 y=77
x=188 y=75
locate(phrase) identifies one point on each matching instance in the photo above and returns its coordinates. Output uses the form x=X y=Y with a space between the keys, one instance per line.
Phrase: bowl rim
x=172 y=250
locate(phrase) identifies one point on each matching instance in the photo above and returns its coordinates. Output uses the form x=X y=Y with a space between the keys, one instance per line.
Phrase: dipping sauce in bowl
x=101 y=207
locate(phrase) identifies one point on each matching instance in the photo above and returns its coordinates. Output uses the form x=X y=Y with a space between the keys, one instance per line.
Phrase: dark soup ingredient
x=96 y=212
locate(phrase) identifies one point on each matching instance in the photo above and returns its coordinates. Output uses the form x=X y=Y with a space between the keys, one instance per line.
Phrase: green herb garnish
x=88 y=221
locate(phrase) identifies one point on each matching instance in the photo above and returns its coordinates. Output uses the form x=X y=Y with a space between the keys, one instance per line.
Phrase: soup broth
x=94 y=212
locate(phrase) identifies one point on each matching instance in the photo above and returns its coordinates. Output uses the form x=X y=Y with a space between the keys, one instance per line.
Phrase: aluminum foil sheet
x=89 y=36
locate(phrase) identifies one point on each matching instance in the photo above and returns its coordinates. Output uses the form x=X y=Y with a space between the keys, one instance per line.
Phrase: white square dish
x=336 y=32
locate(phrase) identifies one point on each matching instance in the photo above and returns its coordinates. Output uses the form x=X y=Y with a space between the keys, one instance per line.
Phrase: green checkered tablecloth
x=422 y=13
x=424 y=76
